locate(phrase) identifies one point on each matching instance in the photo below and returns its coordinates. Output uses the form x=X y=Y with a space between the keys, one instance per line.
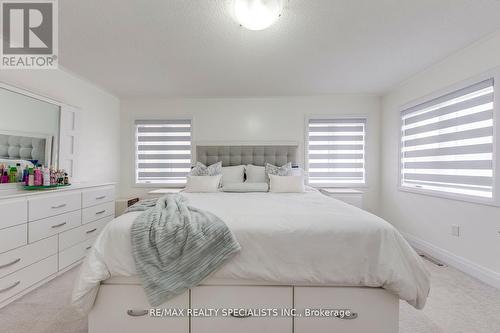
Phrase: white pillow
x=246 y=187
x=255 y=174
x=233 y=174
x=286 y=184
x=202 y=183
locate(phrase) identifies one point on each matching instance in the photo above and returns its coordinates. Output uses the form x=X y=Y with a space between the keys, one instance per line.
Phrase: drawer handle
x=137 y=313
x=91 y=231
x=11 y=263
x=100 y=212
x=241 y=316
x=59 y=225
x=59 y=206
x=101 y=197
x=10 y=287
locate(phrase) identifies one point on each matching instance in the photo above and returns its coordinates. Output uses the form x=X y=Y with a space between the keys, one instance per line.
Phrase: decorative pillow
x=201 y=169
x=202 y=183
x=233 y=174
x=286 y=184
x=284 y=170
x=246 y=187
x=255 y=174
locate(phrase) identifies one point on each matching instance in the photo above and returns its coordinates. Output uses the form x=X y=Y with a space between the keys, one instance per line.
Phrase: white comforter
x=292 y=238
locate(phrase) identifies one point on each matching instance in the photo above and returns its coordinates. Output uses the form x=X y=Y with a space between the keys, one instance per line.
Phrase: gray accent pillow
x=246 y=187
x=201 y=169
x=284 y=170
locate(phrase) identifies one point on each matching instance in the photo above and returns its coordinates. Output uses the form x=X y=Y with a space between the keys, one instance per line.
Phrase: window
x=336 y=152
x=163 y=151
x=447 y=144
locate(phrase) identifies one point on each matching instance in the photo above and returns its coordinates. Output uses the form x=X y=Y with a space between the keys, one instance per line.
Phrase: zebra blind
x=336 y=152
x=447 y=143
x=163 y=151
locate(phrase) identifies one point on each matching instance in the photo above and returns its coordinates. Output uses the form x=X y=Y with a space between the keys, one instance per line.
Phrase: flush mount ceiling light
x=257 y=14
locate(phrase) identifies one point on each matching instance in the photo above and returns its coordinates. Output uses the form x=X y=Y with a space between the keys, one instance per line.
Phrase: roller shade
x=336 y=152
x=447 y=143
x=163 y=151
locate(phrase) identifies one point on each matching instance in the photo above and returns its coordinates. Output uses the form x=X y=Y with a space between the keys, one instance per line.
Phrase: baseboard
x=481 y=273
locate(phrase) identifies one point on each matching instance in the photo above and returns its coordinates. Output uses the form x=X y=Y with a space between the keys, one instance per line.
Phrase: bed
x=340 y=268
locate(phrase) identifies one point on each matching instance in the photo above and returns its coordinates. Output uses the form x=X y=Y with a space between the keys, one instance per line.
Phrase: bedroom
x=376 y=121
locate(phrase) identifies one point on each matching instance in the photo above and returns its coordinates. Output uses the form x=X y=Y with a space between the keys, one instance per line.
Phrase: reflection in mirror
x=29 y=134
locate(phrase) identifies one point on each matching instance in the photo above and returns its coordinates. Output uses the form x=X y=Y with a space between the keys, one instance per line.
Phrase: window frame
x=365 y=149
x=495 y=200
x=134 y=142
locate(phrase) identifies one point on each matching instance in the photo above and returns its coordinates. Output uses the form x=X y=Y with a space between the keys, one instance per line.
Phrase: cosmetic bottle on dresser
x=46 y=177
x=4 y=176
x=12 y=174
x=38 y=177
x=31 y=177
x=25 y=175
x=19 y=174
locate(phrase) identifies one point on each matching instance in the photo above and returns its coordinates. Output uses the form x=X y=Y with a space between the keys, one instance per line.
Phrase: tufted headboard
x=25 y=147
x=247 y=154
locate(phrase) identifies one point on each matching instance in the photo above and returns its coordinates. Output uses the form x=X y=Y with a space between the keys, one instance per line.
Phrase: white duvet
x=286 y=238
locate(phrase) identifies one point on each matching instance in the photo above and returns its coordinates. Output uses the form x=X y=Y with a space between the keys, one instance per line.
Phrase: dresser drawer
x=74 y=253
x=97 y=212
x=13 y=237
x=84 y=232
x=51 y=205
x=97 y=196
x=14 y=212
x=26 y=255
x=26 y=277
x=242 y=297
x=124 y=309
x=53 y=225
x=370 y=305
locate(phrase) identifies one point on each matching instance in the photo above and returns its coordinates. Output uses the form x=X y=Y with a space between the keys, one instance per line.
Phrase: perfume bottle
x=38 y=177
x=31 y=177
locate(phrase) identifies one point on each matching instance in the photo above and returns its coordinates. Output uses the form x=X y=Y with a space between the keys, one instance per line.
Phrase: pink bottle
x=38 y=177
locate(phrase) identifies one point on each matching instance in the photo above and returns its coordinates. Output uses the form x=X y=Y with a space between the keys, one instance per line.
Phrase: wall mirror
x=29 y=130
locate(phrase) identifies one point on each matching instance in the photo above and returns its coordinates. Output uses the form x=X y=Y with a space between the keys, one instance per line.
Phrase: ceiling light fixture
x=257 y=14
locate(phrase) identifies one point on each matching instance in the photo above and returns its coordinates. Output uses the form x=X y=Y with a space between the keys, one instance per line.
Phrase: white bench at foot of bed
x=124 y=308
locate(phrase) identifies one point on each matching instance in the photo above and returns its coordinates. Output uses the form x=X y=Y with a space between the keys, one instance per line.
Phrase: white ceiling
x=174 y=48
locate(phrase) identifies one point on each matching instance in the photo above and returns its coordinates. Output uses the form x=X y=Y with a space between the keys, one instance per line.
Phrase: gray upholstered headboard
x=16 y=147
x=247 y=154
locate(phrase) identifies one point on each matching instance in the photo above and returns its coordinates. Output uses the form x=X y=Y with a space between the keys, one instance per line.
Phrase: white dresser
x=43 y=234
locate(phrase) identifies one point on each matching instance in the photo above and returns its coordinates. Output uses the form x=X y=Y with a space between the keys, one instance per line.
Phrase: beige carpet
x=457 y=303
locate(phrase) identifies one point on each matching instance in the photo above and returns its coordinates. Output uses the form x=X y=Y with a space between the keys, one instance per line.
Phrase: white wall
x=99 y=119
x=429 y=218
x=252 y=120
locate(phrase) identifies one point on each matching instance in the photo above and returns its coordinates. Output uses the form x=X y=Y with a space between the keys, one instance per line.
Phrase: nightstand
x=347 y=195
x=121 y=204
